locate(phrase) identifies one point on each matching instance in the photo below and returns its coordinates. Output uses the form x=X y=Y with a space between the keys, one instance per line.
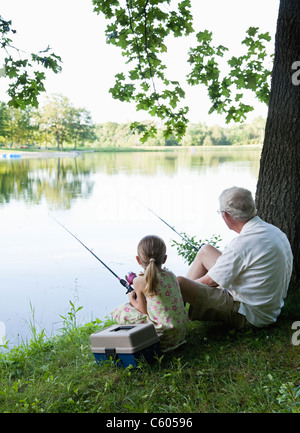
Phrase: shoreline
x=16 y=154
x=8 y=154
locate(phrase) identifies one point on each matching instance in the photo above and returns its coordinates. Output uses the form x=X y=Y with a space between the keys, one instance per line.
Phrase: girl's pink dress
x=165 y=310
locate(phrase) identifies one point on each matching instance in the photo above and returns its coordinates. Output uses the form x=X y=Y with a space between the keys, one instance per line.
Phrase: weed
x=70 y=321
x=186 y=250
x=290 y=397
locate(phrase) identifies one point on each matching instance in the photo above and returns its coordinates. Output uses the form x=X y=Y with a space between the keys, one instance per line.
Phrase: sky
x=76 y=33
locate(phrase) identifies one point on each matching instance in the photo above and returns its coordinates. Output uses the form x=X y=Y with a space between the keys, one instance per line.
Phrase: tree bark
x=278 y=187
x=57 y=138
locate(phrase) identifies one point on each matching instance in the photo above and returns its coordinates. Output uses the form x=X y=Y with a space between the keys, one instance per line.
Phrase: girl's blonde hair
x=151 y=251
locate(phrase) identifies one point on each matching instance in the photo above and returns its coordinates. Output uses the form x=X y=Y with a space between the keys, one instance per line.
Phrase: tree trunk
x=57 y=139
x=278 y=188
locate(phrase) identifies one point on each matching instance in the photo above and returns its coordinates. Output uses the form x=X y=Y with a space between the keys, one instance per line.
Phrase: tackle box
x=125 y=344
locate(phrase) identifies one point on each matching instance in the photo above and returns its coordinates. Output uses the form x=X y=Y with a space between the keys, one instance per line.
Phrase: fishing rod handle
x=128 y=286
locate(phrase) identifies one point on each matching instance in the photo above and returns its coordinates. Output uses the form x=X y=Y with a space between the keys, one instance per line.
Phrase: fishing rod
x=172 y=228
x=123 y=282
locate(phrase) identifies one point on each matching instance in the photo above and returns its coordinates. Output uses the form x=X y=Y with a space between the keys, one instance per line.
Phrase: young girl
x=156 y=297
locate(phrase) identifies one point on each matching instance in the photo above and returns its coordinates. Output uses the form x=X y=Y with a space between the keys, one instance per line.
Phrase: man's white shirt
x=256 y=269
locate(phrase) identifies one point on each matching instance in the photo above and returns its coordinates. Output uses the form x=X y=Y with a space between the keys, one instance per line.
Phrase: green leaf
x=252 y=31
x=140 y=29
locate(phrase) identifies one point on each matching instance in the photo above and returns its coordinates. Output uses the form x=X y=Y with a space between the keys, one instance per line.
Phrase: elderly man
x=246 y=284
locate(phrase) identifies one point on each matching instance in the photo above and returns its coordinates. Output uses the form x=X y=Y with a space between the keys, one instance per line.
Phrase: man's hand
x=208 y=281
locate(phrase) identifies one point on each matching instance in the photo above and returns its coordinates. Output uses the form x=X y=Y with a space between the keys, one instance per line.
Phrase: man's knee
x=206 y=251
x=208 y=255
x=188 y=289
x=202 y=250
x=183 y=282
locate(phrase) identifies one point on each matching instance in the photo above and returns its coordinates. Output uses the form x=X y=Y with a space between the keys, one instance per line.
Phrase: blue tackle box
x=125 y=344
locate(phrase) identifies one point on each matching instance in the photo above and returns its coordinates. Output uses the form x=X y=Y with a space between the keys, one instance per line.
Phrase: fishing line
x=123 y=282
x=171 y=227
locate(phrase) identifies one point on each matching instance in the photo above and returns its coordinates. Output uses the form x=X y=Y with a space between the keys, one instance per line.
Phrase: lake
x=101 y=197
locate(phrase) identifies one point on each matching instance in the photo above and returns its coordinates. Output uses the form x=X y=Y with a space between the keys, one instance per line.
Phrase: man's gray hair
x=238 y=202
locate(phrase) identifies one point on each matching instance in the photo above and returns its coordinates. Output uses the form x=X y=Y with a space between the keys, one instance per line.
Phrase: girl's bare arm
x=137 y=298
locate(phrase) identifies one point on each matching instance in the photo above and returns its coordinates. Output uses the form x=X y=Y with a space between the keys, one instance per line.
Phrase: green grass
x=217 y=370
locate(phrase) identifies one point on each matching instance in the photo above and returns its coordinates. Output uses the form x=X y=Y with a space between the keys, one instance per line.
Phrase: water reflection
x=58 y=180
x=61 y=180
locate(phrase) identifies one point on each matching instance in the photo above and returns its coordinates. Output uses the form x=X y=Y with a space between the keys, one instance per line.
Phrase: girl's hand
x=132 y=298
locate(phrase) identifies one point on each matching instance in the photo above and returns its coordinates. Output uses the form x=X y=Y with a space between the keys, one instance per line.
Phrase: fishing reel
x=130 y=276
x=127 y=285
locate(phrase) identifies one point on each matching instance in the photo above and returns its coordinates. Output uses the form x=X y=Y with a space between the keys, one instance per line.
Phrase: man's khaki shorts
x=217 y=304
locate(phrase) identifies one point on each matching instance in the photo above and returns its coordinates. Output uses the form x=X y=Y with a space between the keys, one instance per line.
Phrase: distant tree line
x=239 y=134
x=55 y=124
x=58 y=124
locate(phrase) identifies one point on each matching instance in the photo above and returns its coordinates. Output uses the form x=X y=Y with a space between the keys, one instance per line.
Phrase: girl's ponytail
x=152 y=253
x=151 y=277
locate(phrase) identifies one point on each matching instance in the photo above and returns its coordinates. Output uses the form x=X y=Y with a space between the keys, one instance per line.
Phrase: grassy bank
x=217 y=370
